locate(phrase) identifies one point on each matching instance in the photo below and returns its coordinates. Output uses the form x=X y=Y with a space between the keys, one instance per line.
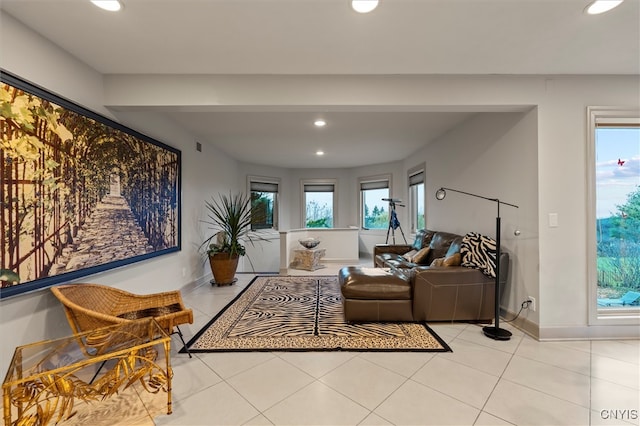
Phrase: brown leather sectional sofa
x=409 y=291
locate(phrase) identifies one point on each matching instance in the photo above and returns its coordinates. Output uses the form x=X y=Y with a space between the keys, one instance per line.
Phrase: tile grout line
x=500 y=378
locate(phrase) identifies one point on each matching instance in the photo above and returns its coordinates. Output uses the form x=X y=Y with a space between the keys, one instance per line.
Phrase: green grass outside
x=609 y=284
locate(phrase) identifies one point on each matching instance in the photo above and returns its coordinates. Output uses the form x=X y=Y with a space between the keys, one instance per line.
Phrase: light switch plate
x=553 y=220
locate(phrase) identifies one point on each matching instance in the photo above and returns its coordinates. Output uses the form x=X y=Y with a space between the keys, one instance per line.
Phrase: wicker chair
x=91 y=306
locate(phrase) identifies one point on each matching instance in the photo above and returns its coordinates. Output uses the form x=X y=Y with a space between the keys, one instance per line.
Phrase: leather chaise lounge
x=436 y=288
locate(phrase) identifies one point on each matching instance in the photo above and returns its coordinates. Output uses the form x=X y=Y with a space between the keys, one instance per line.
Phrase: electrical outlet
x=532 y=304
x=184 y=272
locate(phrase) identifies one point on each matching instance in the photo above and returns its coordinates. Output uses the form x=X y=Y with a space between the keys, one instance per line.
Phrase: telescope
x=393 y=202
x=394 y=223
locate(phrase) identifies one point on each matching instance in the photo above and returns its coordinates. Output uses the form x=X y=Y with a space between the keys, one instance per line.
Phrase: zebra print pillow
x=479 y=251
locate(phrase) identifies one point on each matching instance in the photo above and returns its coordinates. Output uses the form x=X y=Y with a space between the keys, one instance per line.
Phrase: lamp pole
x=495 y=332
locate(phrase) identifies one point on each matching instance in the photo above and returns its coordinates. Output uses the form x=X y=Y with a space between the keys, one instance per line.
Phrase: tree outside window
x=262 y=209
x=264 y=203
x=376 y=211
x=319 y=210
x=318 y=200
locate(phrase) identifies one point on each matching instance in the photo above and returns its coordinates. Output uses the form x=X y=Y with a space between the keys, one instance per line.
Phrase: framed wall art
x=80 y=193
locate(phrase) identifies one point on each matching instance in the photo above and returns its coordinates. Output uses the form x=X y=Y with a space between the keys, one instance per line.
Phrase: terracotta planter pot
x=223 y=267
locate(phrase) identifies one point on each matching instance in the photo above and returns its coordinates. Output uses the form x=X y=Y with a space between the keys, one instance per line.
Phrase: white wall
x=38 y=315
x=492 y=155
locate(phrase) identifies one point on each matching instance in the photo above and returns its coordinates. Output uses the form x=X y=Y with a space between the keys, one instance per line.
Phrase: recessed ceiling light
x=319 y=123
x=319 y=152
x=601 y=6
x=364 y=6
x=110 y=5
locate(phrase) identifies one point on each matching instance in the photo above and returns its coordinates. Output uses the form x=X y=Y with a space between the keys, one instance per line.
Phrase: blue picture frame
x=80 y=193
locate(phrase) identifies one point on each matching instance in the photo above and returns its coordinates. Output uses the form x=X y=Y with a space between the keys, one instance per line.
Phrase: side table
x=47 y=381
x=308 y=259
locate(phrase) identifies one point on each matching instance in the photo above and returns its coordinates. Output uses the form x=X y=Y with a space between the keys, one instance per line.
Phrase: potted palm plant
x=230 y=217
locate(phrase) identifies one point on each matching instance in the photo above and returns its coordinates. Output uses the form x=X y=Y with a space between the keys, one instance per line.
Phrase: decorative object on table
x=308 y=259
x=493 y=332
x=309 y=243
x=230 y=217
x=318 y=323
x=91 y=306
x=82 y=194
x=56 y=380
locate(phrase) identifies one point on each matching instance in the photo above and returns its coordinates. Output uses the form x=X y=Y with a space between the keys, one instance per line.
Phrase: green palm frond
x=230 y=216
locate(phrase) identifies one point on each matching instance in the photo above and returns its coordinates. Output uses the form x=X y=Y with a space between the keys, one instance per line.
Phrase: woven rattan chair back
x=91 y=306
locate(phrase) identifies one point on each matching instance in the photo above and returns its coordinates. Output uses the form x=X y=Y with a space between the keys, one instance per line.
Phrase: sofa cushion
x=440 y=244
x=401 y=263
x=367 y=283
x=409 y=255
x=453 y=260
x=422 y=239
x=421 y=256
x=454 y=248
x=479 y=252
x=386 y=257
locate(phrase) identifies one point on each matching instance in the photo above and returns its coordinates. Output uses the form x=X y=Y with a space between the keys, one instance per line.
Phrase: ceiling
x=315 y=37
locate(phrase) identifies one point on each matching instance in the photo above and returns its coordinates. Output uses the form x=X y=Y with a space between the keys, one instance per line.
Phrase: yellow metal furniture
x=90 y=306
x=47 y=381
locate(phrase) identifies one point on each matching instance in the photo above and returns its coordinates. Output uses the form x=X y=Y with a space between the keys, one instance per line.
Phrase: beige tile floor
x=483 y=382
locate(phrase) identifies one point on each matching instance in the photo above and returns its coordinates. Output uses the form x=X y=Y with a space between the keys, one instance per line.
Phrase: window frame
x=366 y=180
x=303 y=199
x=598 y=115
x=276 y=208
x=413 y=199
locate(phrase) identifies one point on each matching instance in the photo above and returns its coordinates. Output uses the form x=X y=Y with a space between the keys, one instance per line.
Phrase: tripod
x=394 y=223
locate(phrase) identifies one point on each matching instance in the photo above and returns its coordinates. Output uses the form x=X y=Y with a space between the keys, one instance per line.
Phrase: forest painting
x=80 y=193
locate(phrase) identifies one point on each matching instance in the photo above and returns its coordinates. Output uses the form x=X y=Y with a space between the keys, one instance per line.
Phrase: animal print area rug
x=303 y=313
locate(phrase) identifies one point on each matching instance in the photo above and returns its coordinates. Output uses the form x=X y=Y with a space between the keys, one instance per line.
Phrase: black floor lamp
x=495 y=332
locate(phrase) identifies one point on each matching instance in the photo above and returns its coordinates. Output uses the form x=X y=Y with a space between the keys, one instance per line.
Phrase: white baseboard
x=521 y=323
x=343 y=261
x=590 y=332
x=573 y=332
x=190 y=286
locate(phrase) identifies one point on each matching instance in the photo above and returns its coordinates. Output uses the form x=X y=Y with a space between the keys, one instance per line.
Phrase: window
x=374 y=212
x=614 y=231
x=264 y=202
x=319 y=203
x=416 y=198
